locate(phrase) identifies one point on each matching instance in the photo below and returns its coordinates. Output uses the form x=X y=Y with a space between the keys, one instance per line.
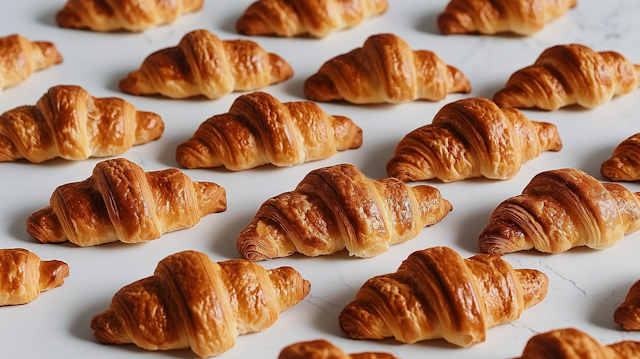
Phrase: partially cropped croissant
x=318 y=18
x=472 y=138
x=436 y=294
x=122 y=202
x=259 y=129
x=23 y=276
x=67 y=122
x=322 y=349
x=19 y=58
x=624 y=164
x=570 y=74
x=193 y=302
x=202 y=64
x=628 y=313
x=559 y=210
x=385 y=69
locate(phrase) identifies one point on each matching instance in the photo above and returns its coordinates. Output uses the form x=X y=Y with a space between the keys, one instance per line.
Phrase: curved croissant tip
x=133 y=84
x=627 y=316
x=614 y=170
x=280 y=69
x=252 y=25
x=107 y=328
x=69 y=19
x=45 y=226
x=319 y=87
x=187 y=157
x=493 y=244
x=448 y=24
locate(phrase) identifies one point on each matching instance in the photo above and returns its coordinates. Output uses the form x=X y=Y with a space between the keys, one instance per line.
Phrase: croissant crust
x=322 y=349
x=19 y=58
x=628 y=313
x=624 y=164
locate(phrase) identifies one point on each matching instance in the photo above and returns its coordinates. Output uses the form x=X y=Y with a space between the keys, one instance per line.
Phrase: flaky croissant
x=570 y=74
x=122 y=202
x=472 y=138
x=318 y=18
x=202 y=64
x=337 y=207
x=259 y=129
x=624 y=164
x=559 y=210
x=385 y=69
x=628 y=313
x=193 y=302
x=23 y=276
x=67 y=122
x=19 y=58
x=322 y=349
x=436 y=294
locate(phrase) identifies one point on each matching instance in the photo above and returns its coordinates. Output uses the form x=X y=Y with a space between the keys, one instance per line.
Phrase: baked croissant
x=23 y=276
x=67 y=122
x=202 y=64
x=259 y=129
x=19 y=58
x=436 y=294
x=130 y=15
x=337 y=207
x=385 y=69
x=193 y=302
x=624 y=164
x=322 y=349
x=559 y=210
x=472 y=138
x=522 y=17
x=122 y=202
x=318 y=18
x=628 y=313
x=570 y=74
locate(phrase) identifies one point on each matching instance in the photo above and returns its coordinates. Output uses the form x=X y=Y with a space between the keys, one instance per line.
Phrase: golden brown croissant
x=570 y=74
x=67 y=122
x=559 y=210
x=472 y=138
x=23 y=276
x=628 y=313
x=122 y=202
x=337 y=207
x=322 y=349
x=130 y=15
x=259 y=129
x=316 y=17
x=19 y=58
x=193 y=302
x=202 y=64
x=624 y=164
x=385 y=69
x=436 y=294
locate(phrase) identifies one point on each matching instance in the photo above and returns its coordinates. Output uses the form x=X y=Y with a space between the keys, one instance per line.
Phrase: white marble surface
x=585 y=285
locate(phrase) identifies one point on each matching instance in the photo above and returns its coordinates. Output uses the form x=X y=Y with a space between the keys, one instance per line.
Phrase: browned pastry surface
x=559 y=210
x=202 y=64
x=570 y=74
x=122 y=202
x=19 y=58
x=322 y=349
x=67 y=122
x=259 y=129
x=193 y=302
x=472 y=138
x=337 y=207
x=628 y=313
x=436 y=294
x=385 y=69
x=624 y=164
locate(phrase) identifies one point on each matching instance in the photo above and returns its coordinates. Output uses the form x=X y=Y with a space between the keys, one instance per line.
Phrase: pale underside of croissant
x=437 y=294
x=122 y=202
x=624 y=164
x=202 y=64
x=23 y=276
x=67 y=122
x=259 y=129
x=130 y=15
x=559 y=210
x=472 y=138
x=317 y=18
x=570 y=74
x=385 y=69
x=628 y=313
x=337 y=207
x=322 y=349
x=193 y=302
x=19 y=58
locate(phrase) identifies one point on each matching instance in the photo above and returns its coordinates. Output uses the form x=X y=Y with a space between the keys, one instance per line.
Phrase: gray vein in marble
x=566 y=279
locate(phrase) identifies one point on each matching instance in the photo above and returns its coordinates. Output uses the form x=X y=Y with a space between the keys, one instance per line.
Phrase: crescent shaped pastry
x=628 y=313
x=19 y=58
x=624 y=164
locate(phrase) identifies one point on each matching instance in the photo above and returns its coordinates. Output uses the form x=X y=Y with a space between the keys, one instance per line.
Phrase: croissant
x=193 y=302
x=436 y=294
x=67 y=122
x=472 y=138
x=20 y=57
x=628 y=313
x=122 y=202
x=130 y=15
x=337 y=207
x=559 y=210
x=259 y=129
x=202 y=64
x=624 y=164
x=570 y=74
x=322 y=349
x=318 y=18
x=385 y=69
x=23 y=276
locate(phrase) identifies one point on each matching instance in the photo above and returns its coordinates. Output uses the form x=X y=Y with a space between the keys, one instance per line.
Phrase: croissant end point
x=252 y=25
x=448 y=24
x=131 y=84
x=50 y=52
x=493 y=244
x=107 y=328
x=319 y=87
x=69 y=19
x=188 y=157
x=280 y=69
x=509 y=98
x=45 y=226
x=613 y=170
x=625 y=315
x=52 y=274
